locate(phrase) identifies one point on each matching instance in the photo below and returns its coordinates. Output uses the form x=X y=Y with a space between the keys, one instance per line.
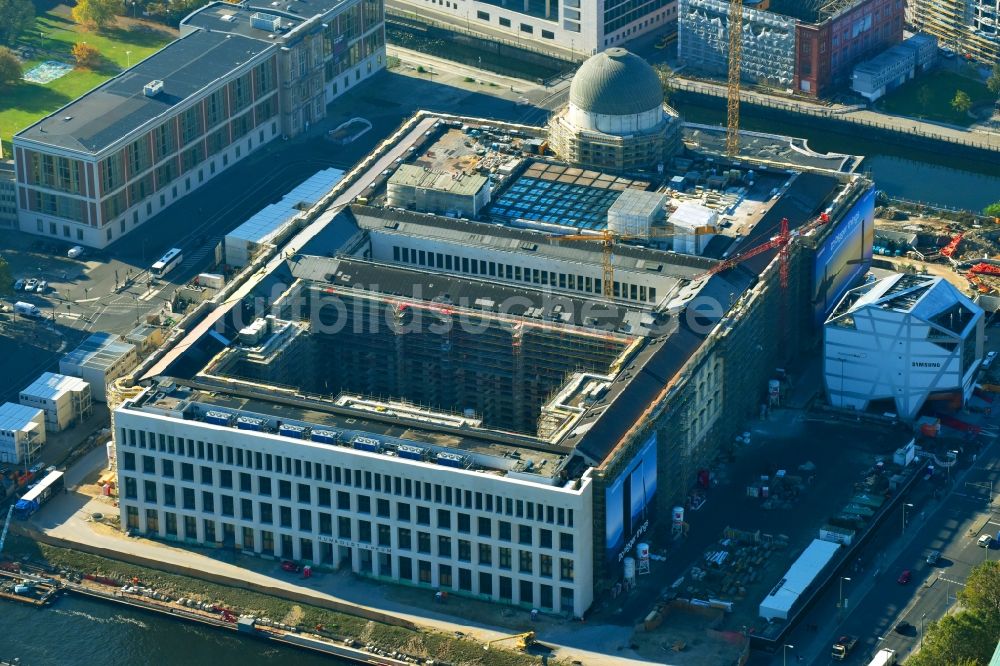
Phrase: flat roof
x=459 y=291
x=266 y=222
x=18 y=417
x=97 y=119
x=52 y=386
x=235 y=19
x=798 y=577
x=409 y=175
x=100 y=351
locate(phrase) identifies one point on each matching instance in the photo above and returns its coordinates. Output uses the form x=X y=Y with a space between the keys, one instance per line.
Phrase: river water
x=934 y=177
x=83 y=631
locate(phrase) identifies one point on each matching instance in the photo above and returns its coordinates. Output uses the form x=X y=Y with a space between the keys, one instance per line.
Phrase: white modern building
x=65 y=400
x=571 y=29
x=896 y=343
x=22 y=432
x=191 y=470
x=99 y=360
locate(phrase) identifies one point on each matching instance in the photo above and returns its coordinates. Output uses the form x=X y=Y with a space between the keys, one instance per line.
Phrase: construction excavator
x=524 y=641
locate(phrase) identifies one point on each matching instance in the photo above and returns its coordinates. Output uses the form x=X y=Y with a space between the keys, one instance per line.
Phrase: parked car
x=933 y=558
x=75 y=251
x=42 y=287
x=904 y=577
x=19 y=285
x=903 y=627
x=288 y=565
x=30 y=284
x=988 y=361
x=985 y=541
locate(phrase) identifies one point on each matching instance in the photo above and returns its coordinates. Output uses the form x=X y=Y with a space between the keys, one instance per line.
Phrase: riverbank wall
x=827 y=119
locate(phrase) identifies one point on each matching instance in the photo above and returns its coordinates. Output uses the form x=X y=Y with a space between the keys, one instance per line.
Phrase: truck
x=41 y=493
x=843 y=646
x=884 y=657
x=27 y=309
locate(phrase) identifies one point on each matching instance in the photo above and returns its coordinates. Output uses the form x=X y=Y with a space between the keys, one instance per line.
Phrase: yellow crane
x=733 y=89
x=524 y=641
x=607 y=239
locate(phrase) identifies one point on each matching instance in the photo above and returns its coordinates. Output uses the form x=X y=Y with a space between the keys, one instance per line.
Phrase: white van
x=27 y=309
x=985 y=541
x=75 y=251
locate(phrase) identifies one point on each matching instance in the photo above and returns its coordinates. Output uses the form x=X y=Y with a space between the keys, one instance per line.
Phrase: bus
x=41 y=493
x=167 y=262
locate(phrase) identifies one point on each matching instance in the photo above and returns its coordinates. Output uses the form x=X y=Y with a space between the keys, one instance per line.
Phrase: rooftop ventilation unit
x=153 y=88
x=263 y=21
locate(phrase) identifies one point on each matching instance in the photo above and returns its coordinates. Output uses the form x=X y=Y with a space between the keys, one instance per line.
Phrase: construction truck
x=843 y=647
x=884 y=657
x=524 y=641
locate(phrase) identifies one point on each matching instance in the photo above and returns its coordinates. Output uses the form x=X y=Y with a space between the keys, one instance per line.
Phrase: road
x=875 y=601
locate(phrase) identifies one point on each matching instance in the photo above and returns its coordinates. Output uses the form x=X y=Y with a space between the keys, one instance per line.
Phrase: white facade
x=904 y=339
x=468 y=532
x=22 y=432
x=619 y=125
x=65 y=400
x=573 y=28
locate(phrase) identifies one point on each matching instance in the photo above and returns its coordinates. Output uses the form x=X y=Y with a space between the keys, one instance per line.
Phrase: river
x=901 y=171
x=83 y=631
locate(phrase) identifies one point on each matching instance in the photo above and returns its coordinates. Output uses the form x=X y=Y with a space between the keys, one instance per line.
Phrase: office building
x=239 y=77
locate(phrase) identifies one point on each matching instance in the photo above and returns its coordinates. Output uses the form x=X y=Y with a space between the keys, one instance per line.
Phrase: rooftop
x=18 y=417
x=110 y=113
x=269 y=220
x=263 y=21
x=99 y=351
x=408 y=175
x=52 y=386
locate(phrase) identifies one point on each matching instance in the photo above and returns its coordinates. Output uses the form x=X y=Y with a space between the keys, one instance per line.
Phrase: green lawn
x=53 y=37
x=941 y=87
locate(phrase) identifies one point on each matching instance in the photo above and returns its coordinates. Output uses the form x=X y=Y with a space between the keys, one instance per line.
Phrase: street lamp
x=840 y=604
x=784 y=653
x=128 y=54
x=904 y=517
x=922 y=629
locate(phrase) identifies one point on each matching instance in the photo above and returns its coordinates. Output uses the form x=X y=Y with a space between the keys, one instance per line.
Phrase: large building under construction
x=968 y=27
x=499 y=405
x=809 y=46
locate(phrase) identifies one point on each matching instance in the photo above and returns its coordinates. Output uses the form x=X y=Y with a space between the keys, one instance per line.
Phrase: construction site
x=807 y=47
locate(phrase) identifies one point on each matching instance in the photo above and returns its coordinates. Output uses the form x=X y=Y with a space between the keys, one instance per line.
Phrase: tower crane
x=733 y=87
x=6 y=526
x=607 y=239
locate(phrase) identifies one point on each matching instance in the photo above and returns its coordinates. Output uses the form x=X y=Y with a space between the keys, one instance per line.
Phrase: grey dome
x=617 y=83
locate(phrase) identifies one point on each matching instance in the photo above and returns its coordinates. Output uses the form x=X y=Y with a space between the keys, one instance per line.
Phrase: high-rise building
x=239 y=77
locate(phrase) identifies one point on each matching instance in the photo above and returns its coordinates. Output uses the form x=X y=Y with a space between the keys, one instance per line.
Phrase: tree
x=925 y=96
x=666 y=76
x=97 y=14
x=6 y=279
x=16 y=16
x=981 y=593
x=956 y=639
x=993 y=209
x=962 y=102
x=10 y=67
x=993 y=83
x=86 y=56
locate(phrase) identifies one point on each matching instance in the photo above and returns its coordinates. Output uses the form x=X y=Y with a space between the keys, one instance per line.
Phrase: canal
x=934 y=177
x=83 y=631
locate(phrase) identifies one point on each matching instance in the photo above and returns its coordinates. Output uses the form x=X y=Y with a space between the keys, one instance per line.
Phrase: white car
x=988 y=361
x=75 y=251
x=41 y=287
x=985 y=541
x=30 y=284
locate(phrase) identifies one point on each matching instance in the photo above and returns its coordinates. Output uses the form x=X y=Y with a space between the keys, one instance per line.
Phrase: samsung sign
x=926 y=364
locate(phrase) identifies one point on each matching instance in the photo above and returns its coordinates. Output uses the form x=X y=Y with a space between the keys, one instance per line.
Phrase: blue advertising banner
x=845 y=256
x=629 y=503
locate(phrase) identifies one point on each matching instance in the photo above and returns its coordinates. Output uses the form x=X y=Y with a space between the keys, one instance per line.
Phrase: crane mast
x=733 y=88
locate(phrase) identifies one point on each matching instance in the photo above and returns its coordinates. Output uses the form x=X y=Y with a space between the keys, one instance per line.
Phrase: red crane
x=782 y=241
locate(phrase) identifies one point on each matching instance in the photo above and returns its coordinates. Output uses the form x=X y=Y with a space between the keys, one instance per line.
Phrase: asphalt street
x=875 y=602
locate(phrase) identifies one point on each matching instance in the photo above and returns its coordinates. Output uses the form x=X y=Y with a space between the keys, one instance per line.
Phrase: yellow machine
x=524 y=641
